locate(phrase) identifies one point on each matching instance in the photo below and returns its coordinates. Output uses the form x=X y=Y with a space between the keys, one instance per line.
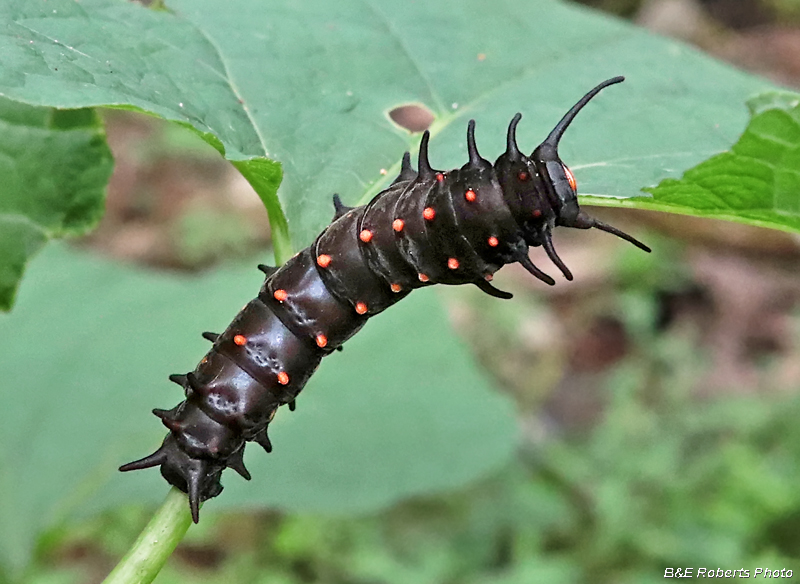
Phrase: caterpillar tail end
x=198 y=478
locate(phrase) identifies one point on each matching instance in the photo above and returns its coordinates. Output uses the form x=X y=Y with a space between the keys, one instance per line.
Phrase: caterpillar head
x=542 y=191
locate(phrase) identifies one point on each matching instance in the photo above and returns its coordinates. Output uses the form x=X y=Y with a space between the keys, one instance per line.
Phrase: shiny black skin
x=448 y=236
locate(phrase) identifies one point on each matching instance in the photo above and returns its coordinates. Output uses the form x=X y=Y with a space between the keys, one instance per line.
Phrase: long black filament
x=555 y=135
x=583 y=221
x=621 y=234
x=529 y=265
x=547 y=244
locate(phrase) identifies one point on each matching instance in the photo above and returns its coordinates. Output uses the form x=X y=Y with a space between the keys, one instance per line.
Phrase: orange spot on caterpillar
x=365 y=236
x=537 y=213
x=280 y=295
x=283 y=378
x=489 y=277
x=398 y=225
x=439 y=176
x=323 y=260
x=361 y=308
x=423 y=278
x=470 y=195
x=523 y=176
x=571 y=178
x=429 y=213
x=396 y=288
x=493 y=241
x=240 y=340
x=204 y=360
x=322 y=340
x=452 y=263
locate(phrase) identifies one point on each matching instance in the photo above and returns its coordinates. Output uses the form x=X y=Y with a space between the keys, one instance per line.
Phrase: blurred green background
x=656 y=396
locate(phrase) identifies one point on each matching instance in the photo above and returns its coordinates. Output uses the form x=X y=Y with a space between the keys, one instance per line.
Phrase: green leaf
x=310 y=85
x=86 y=355
x=757 y=182
x=55 y=166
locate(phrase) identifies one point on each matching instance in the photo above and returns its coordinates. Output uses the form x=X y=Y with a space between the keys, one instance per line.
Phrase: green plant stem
x=281 y=242
x=265 y=177
x=155 y=544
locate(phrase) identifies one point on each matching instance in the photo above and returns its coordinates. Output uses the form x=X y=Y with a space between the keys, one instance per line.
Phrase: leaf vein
x=399 y=39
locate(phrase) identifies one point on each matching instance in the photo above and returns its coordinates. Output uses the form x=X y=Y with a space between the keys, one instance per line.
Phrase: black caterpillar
x=429 y=227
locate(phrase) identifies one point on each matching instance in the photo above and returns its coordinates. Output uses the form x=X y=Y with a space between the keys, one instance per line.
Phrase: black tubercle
x=512 y=150
x=236 y=462
x=268 y=270
x=454 y=227
x=180 y=379
x=423 y=165
x=263 y=440
x=406 y=171
x=475 y=160
x=339 y=208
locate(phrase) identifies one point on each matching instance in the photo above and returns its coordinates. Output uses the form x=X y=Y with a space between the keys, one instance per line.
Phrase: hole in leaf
x=413 y=117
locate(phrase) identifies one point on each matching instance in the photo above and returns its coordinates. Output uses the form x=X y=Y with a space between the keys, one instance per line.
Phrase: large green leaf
x=54 y=167
x=86 y=354
x=309 y=84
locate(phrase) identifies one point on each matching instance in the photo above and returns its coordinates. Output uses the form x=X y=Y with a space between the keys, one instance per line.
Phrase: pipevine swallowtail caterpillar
x=428 y=227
